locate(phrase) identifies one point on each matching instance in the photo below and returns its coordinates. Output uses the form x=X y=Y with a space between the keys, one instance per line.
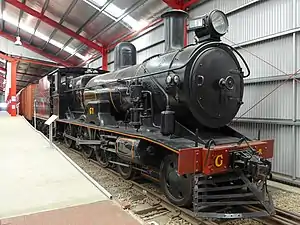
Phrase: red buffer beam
x=54 y=24
x=36 y=50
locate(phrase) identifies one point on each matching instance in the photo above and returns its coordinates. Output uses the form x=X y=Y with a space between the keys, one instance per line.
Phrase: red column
x=104 y=59
x=13 y=88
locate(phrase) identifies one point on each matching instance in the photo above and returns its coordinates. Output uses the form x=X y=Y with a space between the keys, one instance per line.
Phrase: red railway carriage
x=42 y=96
x=25 y=100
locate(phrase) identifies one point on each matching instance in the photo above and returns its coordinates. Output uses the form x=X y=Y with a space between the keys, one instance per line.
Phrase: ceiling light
x=18 y=41
x=40 y=35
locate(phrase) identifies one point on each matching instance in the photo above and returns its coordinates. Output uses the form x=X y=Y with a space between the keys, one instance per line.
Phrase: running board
x=83 y=142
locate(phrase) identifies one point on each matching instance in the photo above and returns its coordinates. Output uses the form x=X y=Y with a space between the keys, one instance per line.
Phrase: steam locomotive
x=167 y=118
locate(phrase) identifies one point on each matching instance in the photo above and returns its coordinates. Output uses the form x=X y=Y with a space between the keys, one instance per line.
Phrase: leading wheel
x=178 y=189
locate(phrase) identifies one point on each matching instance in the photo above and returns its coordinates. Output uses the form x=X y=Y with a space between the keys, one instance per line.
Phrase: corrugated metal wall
x=267 y=32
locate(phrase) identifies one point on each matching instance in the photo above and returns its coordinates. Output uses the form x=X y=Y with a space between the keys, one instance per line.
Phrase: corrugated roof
x=99 y=22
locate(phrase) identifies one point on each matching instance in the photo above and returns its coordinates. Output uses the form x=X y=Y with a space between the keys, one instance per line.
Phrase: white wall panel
x=297 y=152
x=278 y=105
x=269 y=58
x=110 y=67
x=96 y=63
x=225 y=6
x=150 y=38
x=297 y=13
x=266 y=18
x=157 y=49
x=110 y=57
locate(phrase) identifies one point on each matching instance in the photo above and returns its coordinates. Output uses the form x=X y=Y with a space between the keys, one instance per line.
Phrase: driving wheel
x=85 y=134
x=100 y=153
x=68 y=142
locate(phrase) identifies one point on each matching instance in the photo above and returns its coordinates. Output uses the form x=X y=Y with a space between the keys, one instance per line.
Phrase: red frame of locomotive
x=193 y=160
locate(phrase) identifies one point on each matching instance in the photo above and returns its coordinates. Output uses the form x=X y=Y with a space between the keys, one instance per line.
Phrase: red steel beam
x=180 y=4
x=174 y=4
x=36 y=50
x=54 y=24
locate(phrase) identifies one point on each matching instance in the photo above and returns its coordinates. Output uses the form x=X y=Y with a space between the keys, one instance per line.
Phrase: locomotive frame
x=204 y=174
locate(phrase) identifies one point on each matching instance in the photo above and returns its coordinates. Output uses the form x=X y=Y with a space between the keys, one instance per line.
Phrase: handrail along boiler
x=168 y=117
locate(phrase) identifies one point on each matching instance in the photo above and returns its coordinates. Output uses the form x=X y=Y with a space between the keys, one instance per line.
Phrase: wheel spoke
x=85 y=134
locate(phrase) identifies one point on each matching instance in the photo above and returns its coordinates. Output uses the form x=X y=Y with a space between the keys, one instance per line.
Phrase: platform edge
x=88 y=177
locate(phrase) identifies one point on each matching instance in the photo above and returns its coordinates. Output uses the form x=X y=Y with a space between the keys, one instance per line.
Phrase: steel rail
x=282 y=217
x=185 y=214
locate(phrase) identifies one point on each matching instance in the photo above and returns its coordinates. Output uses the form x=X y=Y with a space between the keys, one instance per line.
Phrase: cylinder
x=174 y=29
x=125 y=55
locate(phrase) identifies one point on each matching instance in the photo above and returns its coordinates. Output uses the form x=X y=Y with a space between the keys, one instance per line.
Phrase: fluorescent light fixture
x=99 y=2
x=26 y=28
x=134 y=24
x=114 y=12
x=18 y=41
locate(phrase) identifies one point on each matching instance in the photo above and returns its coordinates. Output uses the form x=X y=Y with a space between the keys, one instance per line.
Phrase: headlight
x=219 y=22
x=210 y=26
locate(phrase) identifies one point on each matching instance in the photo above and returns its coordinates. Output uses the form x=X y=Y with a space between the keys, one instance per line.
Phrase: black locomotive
x=168 y=118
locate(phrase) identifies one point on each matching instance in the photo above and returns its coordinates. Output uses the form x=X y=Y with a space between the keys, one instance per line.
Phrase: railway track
x=161 y=206
x=282 y=217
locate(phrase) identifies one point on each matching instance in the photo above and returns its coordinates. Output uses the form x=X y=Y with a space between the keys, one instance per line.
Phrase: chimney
x=174 y=23
x=125 y=55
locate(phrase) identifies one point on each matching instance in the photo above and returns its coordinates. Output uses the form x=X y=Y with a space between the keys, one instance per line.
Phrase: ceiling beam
x=28 y=74
x=174 y=4
x=63 y=18
x=54 y=24
x=89 y=21
x=25 y=81
x=180 y=4
x=112 y=24
x=36 y=50
x=45 y=6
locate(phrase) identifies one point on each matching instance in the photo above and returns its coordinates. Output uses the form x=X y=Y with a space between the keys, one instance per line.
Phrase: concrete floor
x=35 y=177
